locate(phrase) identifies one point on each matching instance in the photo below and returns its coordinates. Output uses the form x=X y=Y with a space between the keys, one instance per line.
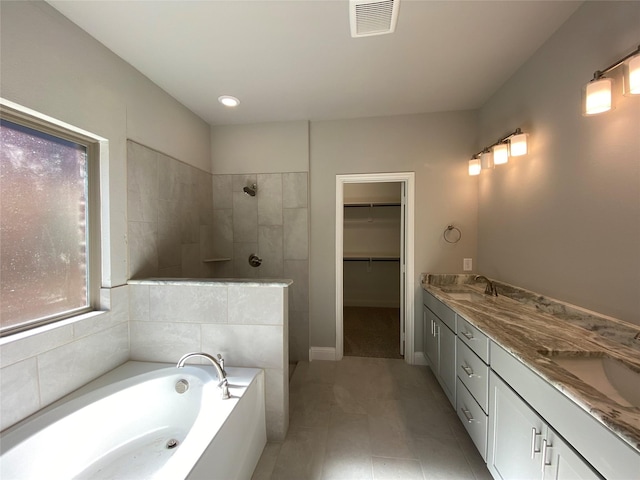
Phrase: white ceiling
x=296 y=60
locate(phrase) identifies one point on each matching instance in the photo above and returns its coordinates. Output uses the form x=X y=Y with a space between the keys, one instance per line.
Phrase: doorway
x=374 y=265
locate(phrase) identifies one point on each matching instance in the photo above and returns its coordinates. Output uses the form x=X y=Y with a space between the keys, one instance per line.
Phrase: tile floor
x=370 y=418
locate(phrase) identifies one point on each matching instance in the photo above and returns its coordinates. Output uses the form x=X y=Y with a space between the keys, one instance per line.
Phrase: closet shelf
x=369 y=203
x=371 y=257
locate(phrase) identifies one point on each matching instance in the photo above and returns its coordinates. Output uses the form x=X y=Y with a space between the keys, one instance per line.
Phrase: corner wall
x=435 y=147
x=565 y=220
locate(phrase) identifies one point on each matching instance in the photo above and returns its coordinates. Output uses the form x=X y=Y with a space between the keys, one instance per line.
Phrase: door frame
x=408 y=179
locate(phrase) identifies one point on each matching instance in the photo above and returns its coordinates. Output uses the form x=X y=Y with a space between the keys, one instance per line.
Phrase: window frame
x=94 y=145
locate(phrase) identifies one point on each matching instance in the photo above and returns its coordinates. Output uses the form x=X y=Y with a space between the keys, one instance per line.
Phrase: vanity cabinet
x=472 y=369
x=523 y=425
x=522 y=445
x=439 y=342
x=565 y=423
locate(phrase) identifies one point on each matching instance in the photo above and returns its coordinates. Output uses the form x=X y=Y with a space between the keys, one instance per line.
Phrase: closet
x=371 y=269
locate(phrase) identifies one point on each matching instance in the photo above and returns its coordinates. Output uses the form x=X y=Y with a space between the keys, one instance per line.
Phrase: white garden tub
x=121 y=426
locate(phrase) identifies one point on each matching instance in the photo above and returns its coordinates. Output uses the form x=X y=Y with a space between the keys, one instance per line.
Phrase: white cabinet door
x=561 y=462
x=521 y=445
x=448 y=362
x=515 y=434
x=431 y=345
x=426 y=332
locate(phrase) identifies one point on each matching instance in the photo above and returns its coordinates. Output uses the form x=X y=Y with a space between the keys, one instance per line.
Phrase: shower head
x=251 y=191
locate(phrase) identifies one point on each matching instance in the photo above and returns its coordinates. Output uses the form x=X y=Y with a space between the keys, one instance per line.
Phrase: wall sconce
x=474 y=166
x=498 y=153
x=597 y=94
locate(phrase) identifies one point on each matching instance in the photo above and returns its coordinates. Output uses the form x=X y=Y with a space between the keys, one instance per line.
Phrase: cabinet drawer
x=473 y=418
x=443 y=312
x=474 y=339
x=474 y=373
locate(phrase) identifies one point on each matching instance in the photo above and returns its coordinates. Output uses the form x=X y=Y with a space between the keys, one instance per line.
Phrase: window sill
x=50 y=327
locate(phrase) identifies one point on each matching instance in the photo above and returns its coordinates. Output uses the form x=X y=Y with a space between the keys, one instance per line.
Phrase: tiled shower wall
x=170 y=216
x=179 y=216
x=274 y=225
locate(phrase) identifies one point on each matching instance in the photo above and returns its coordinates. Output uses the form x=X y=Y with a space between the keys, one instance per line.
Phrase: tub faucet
x=222 y=377
x=490 y=289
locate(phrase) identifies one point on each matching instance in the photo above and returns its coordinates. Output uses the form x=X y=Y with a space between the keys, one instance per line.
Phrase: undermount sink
x=463 y=294
x=609 y=376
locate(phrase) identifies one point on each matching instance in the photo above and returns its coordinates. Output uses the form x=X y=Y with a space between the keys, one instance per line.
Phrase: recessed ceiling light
x=229 y=101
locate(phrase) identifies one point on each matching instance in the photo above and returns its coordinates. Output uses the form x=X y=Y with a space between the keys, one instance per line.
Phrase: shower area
x=187 y=223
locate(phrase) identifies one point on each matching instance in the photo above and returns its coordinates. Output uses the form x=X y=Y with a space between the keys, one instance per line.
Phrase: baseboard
x=322 y=353
x=418 y=359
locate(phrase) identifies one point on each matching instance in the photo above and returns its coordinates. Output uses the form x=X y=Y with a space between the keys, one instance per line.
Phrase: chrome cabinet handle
x=468 y=370
x=545 y=445
x=467 y=414
x=467 y=334
x=534 y=434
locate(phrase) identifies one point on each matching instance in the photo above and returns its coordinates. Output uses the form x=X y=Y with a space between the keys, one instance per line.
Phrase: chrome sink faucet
x=222 y=377
x=490 y=289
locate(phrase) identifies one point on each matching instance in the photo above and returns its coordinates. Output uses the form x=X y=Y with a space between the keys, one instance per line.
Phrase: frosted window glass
x=43 y=234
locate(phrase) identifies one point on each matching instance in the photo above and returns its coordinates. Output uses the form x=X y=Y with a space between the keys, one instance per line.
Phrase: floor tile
x=441 y=458
x=370 y=418
x=302 y=454
x=267 y=462
x=396 y=469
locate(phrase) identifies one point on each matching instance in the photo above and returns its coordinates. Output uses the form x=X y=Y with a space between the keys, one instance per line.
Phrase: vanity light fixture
x=598 y=93
x=498 y=153
x=229 y=101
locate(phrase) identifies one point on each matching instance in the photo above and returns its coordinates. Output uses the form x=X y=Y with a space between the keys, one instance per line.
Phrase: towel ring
x=446 y=234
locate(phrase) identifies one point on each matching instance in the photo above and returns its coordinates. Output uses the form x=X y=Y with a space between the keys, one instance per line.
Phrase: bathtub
x=132 y=423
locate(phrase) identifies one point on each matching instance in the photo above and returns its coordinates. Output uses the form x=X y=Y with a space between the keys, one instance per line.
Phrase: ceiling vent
x=373 y=17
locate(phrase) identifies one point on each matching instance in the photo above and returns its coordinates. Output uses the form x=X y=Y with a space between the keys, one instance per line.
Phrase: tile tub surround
x=525 y=324
x=246 y=321
x=42 y=365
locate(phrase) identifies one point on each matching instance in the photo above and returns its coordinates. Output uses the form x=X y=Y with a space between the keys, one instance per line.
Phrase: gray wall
x=565 y=220
x=434 y=146
x=50 y=65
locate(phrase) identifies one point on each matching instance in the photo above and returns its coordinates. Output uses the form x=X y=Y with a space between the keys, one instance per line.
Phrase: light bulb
x=597 y=96
x=229 y=101
x=474 y=166
x=500 y=154
x=486 y=160
x=518 y=145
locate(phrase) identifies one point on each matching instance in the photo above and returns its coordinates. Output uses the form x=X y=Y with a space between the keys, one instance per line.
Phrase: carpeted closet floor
x=371 y=332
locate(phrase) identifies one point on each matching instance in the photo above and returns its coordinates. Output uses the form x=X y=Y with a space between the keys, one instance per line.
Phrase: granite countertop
x=535 y=329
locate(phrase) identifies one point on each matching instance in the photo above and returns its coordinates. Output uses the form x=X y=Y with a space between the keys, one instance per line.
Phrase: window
x=47 y=249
